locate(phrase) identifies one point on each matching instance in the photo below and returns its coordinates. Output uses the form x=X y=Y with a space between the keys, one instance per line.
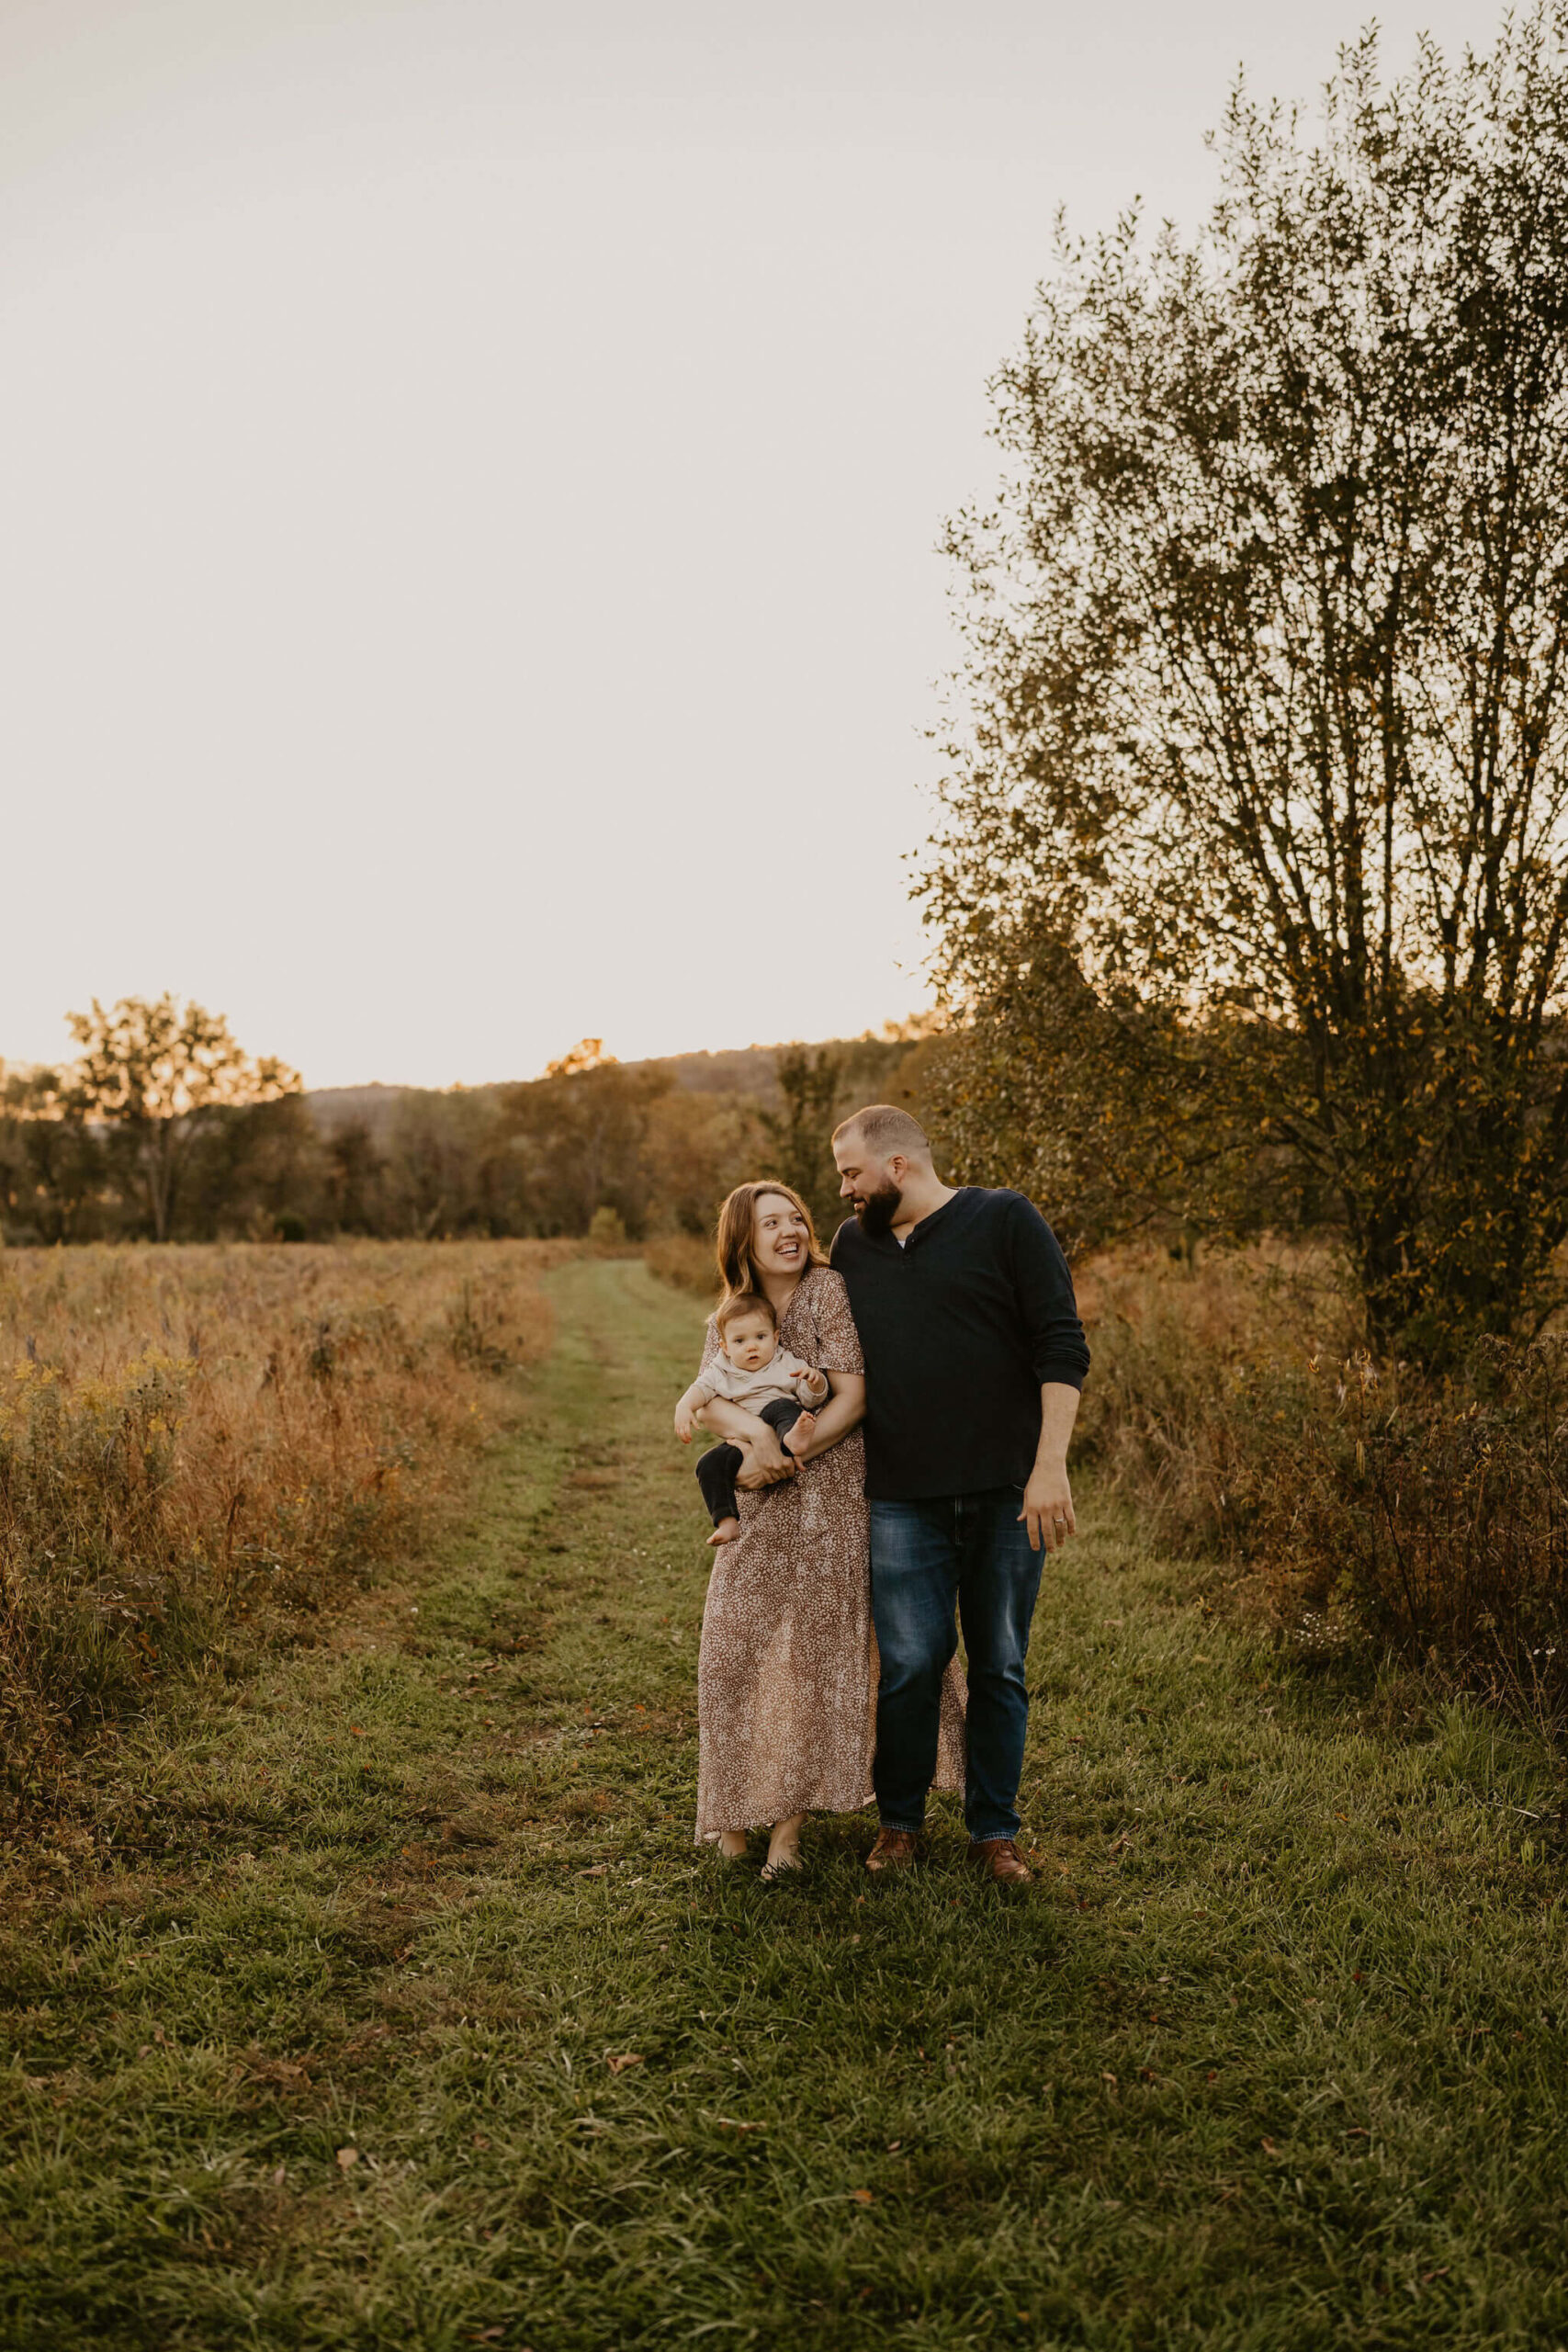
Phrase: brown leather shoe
x=895 y=1849
x=998 y=1860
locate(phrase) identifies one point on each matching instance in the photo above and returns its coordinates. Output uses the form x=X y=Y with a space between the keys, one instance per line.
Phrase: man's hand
x=766 y=1462
x=1048 y=1507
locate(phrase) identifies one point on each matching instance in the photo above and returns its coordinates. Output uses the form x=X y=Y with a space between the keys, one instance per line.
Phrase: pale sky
x=470 y=474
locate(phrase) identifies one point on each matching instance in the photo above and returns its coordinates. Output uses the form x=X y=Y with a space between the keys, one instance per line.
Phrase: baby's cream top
x=781 y=1376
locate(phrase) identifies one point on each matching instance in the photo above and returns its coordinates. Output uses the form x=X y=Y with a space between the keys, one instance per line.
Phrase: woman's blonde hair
x=732 y=1242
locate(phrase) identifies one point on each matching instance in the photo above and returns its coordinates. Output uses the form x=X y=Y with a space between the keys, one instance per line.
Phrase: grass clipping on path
x=191 y=1435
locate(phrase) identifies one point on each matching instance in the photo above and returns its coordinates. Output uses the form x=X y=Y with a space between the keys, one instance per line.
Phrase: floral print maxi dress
x=786 y=1676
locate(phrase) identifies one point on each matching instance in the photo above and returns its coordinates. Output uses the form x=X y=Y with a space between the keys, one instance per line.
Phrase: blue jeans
x=948 y=1553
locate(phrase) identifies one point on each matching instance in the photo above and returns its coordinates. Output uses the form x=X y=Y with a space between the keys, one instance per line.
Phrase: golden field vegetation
x=1368 y=1503
x=685 y=1261
x=194 y=1437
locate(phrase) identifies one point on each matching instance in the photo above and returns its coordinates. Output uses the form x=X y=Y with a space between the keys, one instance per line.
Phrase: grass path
x=379 y=1998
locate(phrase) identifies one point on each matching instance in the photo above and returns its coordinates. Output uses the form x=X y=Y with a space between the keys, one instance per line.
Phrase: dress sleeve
x=838 y=1341
x=710 y=1347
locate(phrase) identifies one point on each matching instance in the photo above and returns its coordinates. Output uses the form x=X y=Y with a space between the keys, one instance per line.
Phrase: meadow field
x=364 y=1988
x=192 y=1438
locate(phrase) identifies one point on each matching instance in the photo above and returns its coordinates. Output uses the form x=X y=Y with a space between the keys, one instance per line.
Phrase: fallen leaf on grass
x=363 y=2041
x=863 y=2197
x=280 y=2176
x=598 y=1870
x=624 y=2058
x=275 y=2074
x=356 y=1731
x=480 y=2141
x=1269 y=2149
x=732 y=2123
x=1106 y=2075
x=346 y=2156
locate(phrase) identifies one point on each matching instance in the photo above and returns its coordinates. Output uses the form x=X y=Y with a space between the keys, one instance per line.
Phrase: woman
x=786 y=1672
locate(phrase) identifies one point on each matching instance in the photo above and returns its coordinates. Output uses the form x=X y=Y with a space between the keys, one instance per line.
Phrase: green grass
x=312 y=2005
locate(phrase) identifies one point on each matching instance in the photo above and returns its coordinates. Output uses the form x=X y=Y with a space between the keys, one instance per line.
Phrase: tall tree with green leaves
x=810 y=1079
x=1255 y=848
x=157 y=1075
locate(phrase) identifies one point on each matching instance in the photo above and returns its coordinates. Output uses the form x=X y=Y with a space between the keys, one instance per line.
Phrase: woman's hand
x=766 y=1462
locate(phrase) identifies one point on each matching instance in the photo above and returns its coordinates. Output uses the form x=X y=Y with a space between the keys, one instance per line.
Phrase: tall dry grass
x=684 y=1260
x=192 y=1436
x=1427 y=1518
x=1202 y=1379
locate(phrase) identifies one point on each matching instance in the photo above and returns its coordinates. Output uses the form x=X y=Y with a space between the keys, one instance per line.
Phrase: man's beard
x=876 y=1212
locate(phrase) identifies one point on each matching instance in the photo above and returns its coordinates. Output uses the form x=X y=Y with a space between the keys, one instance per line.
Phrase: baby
x=752 y=1371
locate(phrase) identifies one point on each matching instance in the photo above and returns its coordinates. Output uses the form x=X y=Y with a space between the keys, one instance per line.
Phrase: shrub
x=1429 y=1516
x=685 y=1262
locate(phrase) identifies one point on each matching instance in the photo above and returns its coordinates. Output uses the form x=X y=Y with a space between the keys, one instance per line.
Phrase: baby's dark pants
x=716 y=1469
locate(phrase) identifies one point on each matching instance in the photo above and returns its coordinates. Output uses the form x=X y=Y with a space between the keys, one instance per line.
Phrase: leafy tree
x=580 y=1135
x=820 y=1086
x=52 y=1166
x=158 y=1078
x=256 y=1169
x=1254 y=863
x=697 y=1147
x=810 y=1079
x=354 y=1173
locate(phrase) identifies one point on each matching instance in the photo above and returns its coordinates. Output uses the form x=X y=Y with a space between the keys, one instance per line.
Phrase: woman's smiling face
x=778 y=1235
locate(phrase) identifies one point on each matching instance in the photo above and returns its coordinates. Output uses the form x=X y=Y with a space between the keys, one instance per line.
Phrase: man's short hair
x=885 y=1130
x=745 y=1302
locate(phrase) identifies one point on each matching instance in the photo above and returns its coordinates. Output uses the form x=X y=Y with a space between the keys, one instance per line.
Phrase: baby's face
x=748 y=1342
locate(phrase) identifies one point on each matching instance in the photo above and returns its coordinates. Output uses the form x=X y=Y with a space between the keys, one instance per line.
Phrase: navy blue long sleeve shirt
x=961 y=1326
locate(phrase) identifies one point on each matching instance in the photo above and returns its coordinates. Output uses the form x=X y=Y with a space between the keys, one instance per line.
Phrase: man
x=974 y=1357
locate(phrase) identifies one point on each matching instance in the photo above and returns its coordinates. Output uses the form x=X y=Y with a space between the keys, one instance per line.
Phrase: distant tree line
x=166 y=1130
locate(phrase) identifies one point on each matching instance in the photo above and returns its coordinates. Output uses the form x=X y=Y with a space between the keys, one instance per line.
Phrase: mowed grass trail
x=379 y=1998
